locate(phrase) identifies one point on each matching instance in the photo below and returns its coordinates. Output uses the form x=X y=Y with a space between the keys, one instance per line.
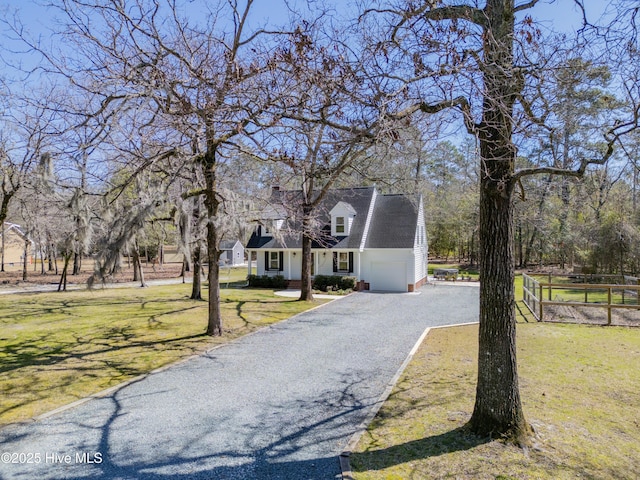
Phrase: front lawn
x=579 y=387
x=56 y=348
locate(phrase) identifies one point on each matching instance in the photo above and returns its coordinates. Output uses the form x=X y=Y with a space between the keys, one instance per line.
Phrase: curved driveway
x=278 y=404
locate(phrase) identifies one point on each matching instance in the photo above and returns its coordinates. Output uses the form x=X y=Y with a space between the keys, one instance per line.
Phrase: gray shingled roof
x=227 y=244
x=393 y=223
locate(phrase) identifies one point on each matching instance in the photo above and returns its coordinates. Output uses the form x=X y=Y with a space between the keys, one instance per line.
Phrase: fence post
x=586 y=290
x=540 y=297
x=609 y=306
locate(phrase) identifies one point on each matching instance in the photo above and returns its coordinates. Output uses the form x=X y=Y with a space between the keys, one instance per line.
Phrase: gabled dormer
x=342 y=216
x=271 y=227
x=272 y=221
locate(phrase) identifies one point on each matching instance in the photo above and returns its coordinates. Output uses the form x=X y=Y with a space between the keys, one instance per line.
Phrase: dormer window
x=342 y=216
x=272 y=226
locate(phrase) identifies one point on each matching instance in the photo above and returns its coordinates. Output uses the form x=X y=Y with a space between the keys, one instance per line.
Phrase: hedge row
x=333 y=282
x=324 y=283
x=266 y=281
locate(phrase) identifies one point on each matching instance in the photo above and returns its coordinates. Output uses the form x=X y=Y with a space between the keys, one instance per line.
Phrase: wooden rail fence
x=538 y=294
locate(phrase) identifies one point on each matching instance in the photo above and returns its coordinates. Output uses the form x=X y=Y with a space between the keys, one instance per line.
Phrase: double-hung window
x=343 y=261
x=339 y=224
x=274 y=261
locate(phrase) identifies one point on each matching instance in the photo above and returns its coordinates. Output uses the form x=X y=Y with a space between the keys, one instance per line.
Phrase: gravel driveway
x=278 y=404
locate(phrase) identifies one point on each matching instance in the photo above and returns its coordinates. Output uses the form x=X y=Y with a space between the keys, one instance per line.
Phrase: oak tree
x=488 y=62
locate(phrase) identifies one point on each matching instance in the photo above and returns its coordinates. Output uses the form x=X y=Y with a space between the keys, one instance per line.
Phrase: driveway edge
x=345 y=464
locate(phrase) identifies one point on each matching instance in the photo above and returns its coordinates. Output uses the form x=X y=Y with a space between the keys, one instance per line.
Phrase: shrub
x=348 y=283
x=321 y=282
x=333 y=282
x=267 y=281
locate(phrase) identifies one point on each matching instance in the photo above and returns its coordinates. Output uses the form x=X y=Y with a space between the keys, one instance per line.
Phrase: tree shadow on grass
x=459 y=439
x=24 y=354
x=233 y=285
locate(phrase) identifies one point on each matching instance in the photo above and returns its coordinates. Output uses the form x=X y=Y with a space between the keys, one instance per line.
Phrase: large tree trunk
x=565 y=196
x=306 y=293
x=196 y=286
x=212 y=204
x=137 y=266
x=498 y=409
x=214 y=324
x=77 y=263
x=42 y=255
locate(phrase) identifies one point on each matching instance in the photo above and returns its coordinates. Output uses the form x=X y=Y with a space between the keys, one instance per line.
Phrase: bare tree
x=196 y=76
x=24 y=140
x=319 y=127
x=469 y=57
x=317 y=161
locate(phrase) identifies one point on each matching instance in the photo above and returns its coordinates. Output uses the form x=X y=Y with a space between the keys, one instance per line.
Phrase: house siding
x=238 y=254
x=292 y=264
x=261 y=263
x=14 y=245
x=420 y=250
x=373 y=258
x=386 y=246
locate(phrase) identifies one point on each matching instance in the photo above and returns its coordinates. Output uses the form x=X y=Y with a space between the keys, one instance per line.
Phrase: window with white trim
x=339 y=224
x=274 y=261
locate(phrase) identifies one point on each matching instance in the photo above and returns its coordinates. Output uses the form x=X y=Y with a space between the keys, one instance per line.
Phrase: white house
x=379 y=239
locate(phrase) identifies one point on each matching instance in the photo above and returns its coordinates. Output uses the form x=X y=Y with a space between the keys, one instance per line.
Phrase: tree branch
x=525 y=6
x=193 y=193
x=460 y=102
x=614 y=135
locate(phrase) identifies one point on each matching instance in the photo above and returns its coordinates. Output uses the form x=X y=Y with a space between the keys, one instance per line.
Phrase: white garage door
x=389 y=276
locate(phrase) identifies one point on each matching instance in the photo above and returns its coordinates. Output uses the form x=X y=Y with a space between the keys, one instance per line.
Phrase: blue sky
x=562 y=13
x=38 y=18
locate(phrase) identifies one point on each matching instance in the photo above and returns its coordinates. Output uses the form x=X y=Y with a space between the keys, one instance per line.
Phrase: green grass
x=579 y=389
x=571 y=293
x=56 y=348
x=234 y=276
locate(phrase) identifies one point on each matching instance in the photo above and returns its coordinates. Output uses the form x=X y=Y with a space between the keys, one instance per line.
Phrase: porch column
x=358 y=267
x=288 y=264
